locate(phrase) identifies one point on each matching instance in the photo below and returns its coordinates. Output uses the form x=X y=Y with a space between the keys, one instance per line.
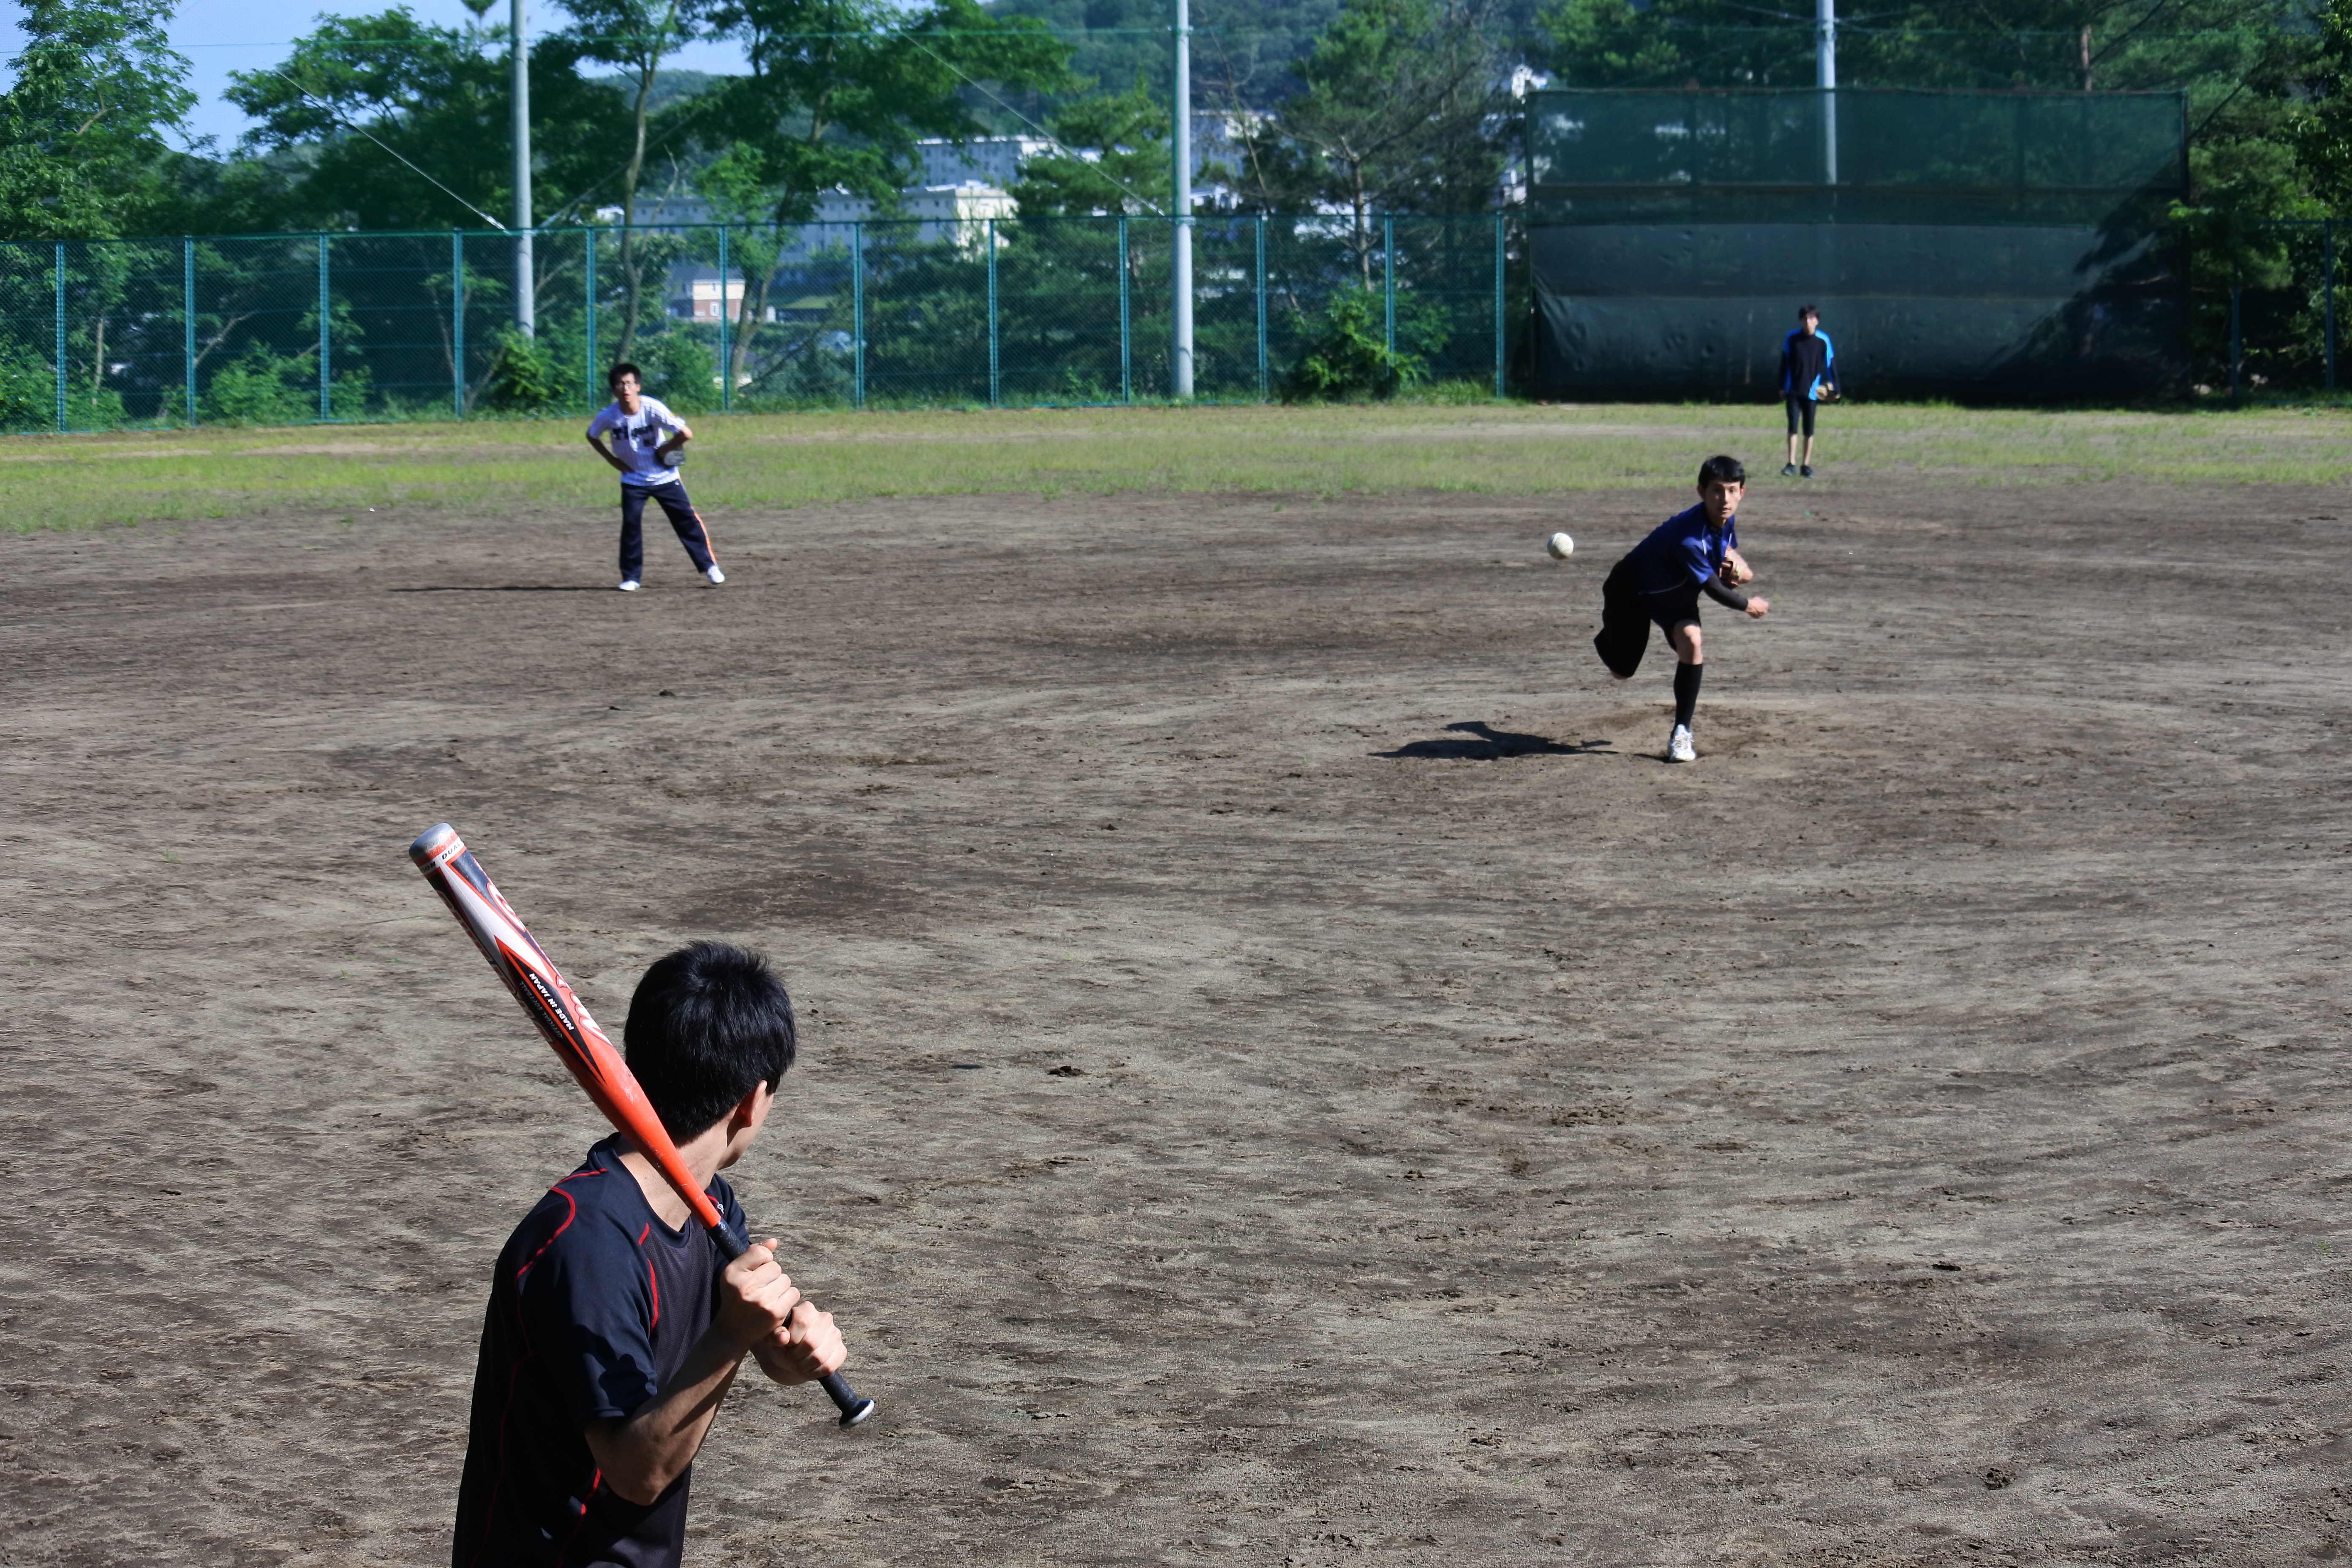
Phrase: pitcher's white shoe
x=715 y=574
x=1678 y=746
x=627 y=585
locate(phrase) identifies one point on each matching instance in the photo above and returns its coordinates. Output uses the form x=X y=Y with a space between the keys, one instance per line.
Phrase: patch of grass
x=769 y=461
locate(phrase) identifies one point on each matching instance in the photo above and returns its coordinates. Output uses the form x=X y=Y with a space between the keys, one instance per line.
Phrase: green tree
x=83 y=149
x=1127 y=132
x=839 y=91
x=1609 y=43
x=636 y=36
x=1398 y=115
x=2320 y=126
x=2082 y=46
x=385 y=122
x=734 y=183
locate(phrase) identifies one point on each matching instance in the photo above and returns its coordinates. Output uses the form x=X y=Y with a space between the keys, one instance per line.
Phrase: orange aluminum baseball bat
x=535 y=982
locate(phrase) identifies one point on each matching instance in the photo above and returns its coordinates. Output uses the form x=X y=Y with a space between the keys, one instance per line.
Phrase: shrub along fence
x=2277 y=324
x=327 y=327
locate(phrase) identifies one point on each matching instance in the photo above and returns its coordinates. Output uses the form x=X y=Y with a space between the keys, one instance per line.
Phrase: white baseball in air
x=1559 y=546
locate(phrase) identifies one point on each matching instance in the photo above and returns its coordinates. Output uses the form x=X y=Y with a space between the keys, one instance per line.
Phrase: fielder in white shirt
x=647 y=440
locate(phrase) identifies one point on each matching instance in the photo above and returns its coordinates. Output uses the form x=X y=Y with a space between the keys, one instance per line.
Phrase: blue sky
x=221 y=35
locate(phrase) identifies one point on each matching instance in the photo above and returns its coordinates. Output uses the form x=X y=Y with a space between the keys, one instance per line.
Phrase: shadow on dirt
x=1490 y=744
x=503 y=588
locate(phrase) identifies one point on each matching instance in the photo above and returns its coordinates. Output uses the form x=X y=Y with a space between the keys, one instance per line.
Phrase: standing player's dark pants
x=1627 y=615
x=1800 y=411
x=682 y=517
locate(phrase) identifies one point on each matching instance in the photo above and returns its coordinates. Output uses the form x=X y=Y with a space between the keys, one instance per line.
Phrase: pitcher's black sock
x=1687 y=692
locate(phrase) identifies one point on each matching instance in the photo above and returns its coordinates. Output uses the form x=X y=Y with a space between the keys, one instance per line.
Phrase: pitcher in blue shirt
x=1659 y=582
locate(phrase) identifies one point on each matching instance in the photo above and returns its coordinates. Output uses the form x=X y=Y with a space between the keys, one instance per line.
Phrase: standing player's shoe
x=627 y=585
x=1678 y=746
x=1788 y=471
x=715 y=574
x=1807 y=471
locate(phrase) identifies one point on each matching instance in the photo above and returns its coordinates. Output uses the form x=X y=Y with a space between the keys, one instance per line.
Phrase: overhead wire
x=350 y=125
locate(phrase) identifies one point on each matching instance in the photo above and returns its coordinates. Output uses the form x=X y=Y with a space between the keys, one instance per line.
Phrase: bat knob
x=855 y=1407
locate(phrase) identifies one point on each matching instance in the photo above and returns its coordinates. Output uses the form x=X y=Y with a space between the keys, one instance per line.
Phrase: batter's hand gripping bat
x=528 y=972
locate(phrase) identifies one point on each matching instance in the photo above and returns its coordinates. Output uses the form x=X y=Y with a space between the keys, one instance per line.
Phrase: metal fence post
x=2327 y=291
x=994 y=379
x=457 y=322
x=857 y=307
x=2237 y=343
x=1265 y=388
x=1388 y=280
x=726 y=369
x=1498 y=305
x=188 y=319
x=588 y=246
x=1126 y=324
x=61 y=338
x=326 y=395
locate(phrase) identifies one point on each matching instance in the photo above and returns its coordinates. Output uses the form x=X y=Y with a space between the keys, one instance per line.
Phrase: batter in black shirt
x=595 y=1307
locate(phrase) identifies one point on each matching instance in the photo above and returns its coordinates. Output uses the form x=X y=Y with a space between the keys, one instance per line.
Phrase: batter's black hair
x=613 y=376
x=1804 y=310
x=708 y=1023
x=1722 y=470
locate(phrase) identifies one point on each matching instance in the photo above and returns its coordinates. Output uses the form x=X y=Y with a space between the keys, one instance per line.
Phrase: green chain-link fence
x=296 y=328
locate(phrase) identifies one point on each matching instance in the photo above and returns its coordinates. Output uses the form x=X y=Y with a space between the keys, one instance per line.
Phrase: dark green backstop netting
x=1959 y=245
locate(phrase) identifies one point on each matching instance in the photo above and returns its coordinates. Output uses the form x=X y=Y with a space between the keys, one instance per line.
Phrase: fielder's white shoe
x=1678 y=746
x=627 y=585
x=715 y=574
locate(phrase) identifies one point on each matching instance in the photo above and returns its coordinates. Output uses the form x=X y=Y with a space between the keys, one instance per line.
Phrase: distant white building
x=983 y=161
x=940 y=214
x=943 y=211
x=694 y=294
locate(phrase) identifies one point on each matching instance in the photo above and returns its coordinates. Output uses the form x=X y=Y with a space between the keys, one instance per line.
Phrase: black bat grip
x=854 y=1406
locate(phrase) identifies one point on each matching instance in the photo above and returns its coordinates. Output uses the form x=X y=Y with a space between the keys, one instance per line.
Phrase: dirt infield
x=1294 y=1078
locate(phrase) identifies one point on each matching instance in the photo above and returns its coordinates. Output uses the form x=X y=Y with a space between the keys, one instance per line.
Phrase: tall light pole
x=1825 y=77
x=1180 y=247
x=526 y=273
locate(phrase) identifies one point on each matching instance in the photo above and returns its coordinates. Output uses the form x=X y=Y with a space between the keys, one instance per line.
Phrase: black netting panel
x=2104 y=145
x=2013 y=246
x=2017 y=314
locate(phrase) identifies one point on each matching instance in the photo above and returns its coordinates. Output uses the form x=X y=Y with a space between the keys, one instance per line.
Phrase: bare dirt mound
x=1293 y=1076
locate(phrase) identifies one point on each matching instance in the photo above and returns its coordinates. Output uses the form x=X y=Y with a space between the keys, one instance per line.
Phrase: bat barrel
x=429 y=843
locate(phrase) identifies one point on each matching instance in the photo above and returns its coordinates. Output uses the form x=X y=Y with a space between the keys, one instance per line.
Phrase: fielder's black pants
x=1801 y=412
x=682 y=518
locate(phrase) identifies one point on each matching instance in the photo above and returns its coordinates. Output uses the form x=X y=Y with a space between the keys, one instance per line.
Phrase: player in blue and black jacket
x=1808 y=374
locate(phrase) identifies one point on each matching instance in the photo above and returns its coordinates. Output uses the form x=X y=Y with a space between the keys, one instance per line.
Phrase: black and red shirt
x=594 y=1306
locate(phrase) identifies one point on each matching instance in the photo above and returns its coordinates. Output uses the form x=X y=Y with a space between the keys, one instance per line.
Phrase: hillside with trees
x=384 y=120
